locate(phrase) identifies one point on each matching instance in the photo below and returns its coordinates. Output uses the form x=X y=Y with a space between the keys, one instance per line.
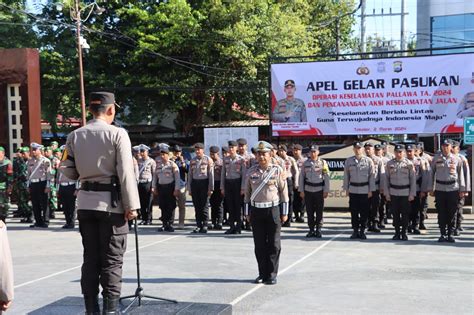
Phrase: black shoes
x=217 y=227
x=442 y=239
x=416 y=231
x=26 y=220
x=44 y=225
x=404 y=237
x=92 y=305
x=310 y=234
x=286 y=224
x=203 y=230
x=110 y=306
x=362 y=235
x=67 y=226
x=450 y=239
x=422 y=226
x=270 y=281
x=396 y=237
x=381 y=226
x=317 y=234
x=230 y=231
x=299 y=219
x=258 y=280
x=354 y=235
x=456 y=232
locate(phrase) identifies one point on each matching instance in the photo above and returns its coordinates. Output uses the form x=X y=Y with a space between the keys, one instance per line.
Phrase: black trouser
x=416 y=211
x=459 y=216
x=314 y=205
x=359 y=207
x=167 y=202
x=233 y=200
x=374 y=203
x=400 y=211
x=146 y=198
x=298 y=204
x=446 y=204
x=289 y=182
x=39 y=200
x=199 y=190
x=104 y=237
x=382 y=208
x=266 y=227
x=217 y=212
x=67 y=202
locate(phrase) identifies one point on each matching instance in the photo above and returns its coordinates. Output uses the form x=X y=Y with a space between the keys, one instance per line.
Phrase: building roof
x=237 y=123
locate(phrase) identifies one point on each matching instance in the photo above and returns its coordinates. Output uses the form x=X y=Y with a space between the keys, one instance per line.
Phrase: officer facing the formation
x=166 y=186
x=200 y=186
x=232 y=187
x=374 y=201
x=359 y=182
x=39 y=179
x=6 y=177
x=400 y=190
x=183 y=170
x=467 y=177
x=217 y=212
x=99 y=155
x=298 y=201
x=422 y=175
x=448 y=185
x=292 y=174
x=265 y=190
x=314 y=188
x=146 y=171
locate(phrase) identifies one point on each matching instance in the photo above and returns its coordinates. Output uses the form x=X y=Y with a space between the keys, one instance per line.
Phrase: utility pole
x=362 y=26
x=77 y=17
x=403 y=45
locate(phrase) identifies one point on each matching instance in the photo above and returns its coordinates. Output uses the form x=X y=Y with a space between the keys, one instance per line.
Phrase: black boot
x=355 y=235
x=92 y=304
x=450 y=238
x=111 y=305
x=375 y=227
x=317 y=234
x=362 y=235
x=442 y=238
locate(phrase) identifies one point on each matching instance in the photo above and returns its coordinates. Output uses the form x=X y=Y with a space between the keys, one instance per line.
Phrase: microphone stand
x=139 y=292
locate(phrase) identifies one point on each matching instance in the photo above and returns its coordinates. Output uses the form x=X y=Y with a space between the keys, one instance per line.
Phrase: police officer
x=99 y=155
x=422 y=176
x=289 y=109
x=39 y=179
x=146 y=171
x=6 y=177
x=21 y=178
x=400 y=190
x=314 y=188
x=386 y=152
x=298 y=201
x=225 y=221
x=166 y=186
x=200 y=186
x=374 y=201
x=67 y=191
x=275 y=158
x=183 y=166
x=217 y=212
x=359 y=182
x=232 y=186
x=384 y=205
x=420 y=146
x=292 y=174
x=467 y=177
x=265 y=190
x=242 y=151
x=448 y=185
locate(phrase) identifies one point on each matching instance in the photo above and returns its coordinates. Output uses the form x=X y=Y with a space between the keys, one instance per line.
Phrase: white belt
x=265 y=204
x=67 y=183
x=37 y=180
x=144 y=181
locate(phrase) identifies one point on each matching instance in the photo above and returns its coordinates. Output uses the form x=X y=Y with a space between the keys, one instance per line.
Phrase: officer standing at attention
x=400 y=190
x=200 y=186
x=384 y=205
x=183 y=170
x=232 y=187
x=22 y=186
x=298 y=202
x=359 y=182
x=265 y=190
x=166 y=186
x=39 y=179
x=314 y=188
x=374 y=201
x=99 y=155
x=292 y=174
x=448 y=185
x=6 y=177
x=146 y=171
x=217 y=212
x=467 y=177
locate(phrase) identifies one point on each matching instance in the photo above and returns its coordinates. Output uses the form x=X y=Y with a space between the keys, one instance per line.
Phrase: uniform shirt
x=43 y=169
x=389 y=155
x=278 y=161
x=135 y=168
x=233 y=168
x=449 y=170
x=427 y=157
x=291 y=169
x=359 y=171
x=218 y=165
x=100 y=151
x=314 y=172
x=300 y=162
x=6 y=173
x=166 y=173
x=146 y=170
x=63 y=179
x=289 y=111
x=400 y=173
x=275 y=190
x=379 y=171
x=249 y=159
x=466 y=170
x=422 y=174
x=201 y=168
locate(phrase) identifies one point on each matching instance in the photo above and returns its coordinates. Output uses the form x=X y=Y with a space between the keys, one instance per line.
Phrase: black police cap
x=410 y=147
x=214 y=149
x=447 y=142
x=357 y=145
x=199 y=145
x=297 y=147
x=289 y=83
x=314 y=147
x=242 y=141
x=102 y=98
x=282 y=147
x=399 y=147
x=232 y=143
x=177 y=148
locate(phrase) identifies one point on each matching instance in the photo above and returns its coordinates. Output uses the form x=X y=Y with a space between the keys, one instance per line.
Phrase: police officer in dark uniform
x=99 y=155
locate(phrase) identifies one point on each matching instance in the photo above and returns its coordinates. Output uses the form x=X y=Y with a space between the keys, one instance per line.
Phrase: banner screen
x=430 y=94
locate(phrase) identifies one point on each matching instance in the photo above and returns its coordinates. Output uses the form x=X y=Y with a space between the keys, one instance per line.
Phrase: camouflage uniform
x=53 y=195
x=6 y=177
x=21 y=183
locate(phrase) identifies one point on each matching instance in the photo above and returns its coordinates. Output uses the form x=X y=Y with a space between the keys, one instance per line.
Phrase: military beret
x=357 y=145
x=368 y=144
x=263 y=146
x=242 y=141
x=24 y=149
x=2 y=149
x=54 y=143
x=136 y=148
x=36 y=146
x=48 y=148
x=399 y=147
x=314 y=147
x=102 y=98
x=297 y=147
x=455 y=143
x=446 y=142
x=225 y=149
x=410 y=147
x=282 y=147
x=378 y=147
x=232 y=143
x=177 y=148
x=199 y=145
x=289 y=83
x=274 y=146
x=144 y=147
x=165 y=150
x=214 y=149
x=56 y=150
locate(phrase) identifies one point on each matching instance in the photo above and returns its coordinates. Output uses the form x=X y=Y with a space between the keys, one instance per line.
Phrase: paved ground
x=212 y=273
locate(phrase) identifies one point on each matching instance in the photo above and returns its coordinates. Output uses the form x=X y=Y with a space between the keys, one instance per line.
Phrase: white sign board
x=220 y=136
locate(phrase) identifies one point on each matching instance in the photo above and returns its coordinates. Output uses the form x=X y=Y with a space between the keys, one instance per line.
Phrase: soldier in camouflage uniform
x=21 y=180
x=6 y=177
x=53 y=195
